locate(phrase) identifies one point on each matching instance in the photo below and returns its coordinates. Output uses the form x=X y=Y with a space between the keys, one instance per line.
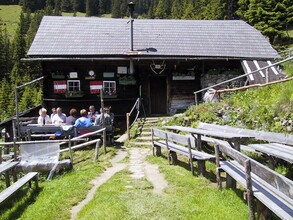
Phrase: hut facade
x=170 y=59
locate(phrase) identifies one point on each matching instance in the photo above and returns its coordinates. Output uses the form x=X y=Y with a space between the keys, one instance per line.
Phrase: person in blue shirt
x=83 y=121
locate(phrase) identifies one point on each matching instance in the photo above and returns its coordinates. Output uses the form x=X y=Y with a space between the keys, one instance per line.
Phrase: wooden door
x=158 y=95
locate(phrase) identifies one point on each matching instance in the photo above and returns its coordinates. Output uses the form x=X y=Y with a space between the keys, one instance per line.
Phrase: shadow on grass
x=209 y=175
x=19 y=202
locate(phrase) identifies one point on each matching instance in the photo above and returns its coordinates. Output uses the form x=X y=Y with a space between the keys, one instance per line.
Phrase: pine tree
x=116 y=9
x=268 y=16
x=75 y=5
x=5 y=90
x=66 y=5
x=177 y=9
x=188 y=11
x=162 y=10
x=91 y=9
x=57 y=8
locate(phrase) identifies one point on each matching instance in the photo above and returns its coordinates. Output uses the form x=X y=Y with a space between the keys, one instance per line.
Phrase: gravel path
x=138 y=168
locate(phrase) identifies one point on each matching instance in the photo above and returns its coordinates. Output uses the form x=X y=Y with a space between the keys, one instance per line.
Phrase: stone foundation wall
x=213 y=77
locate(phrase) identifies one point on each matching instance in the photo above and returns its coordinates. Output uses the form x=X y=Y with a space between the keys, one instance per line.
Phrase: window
x=109 y=87
x=73 y=85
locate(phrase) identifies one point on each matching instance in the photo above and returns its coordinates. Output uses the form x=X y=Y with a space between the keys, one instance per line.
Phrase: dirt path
x=138 y=168
x=100 y=180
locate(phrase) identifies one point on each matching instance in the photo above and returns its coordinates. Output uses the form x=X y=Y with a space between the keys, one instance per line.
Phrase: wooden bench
x=278 y=146
x=46 y=131
x=176 y=143
x=8 y=192
x=6 y=168
x=271 y=189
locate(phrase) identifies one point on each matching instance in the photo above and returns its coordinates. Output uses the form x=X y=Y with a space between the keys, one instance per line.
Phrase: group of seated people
x=85 y=120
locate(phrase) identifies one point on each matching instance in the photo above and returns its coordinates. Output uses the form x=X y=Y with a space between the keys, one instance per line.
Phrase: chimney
x=131 y=6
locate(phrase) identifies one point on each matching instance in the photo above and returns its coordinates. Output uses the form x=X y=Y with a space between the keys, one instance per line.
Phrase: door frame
x=167 y=92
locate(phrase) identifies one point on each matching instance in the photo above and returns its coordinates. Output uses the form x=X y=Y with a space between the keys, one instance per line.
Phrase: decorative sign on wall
x=91 y=75
x=190 y=75
x=60 y=87
x=122 y=69
x=108 y=74
x=96 y=86
x=73 y=75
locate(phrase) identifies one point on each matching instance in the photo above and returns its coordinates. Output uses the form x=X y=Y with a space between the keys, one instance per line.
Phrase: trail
x=138 y=168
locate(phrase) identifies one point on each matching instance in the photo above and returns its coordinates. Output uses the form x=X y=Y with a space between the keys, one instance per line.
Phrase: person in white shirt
x=43 y=119
x=59 y=118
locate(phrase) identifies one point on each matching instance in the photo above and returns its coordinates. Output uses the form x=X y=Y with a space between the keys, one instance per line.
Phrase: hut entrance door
x=158 y=95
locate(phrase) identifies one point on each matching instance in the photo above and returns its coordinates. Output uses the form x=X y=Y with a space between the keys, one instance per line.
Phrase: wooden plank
x=269 y=149
x=279 y=204
x=236 y=155
x=159 y=133
x=8 y=166
x=178 y=138
x=273 y=178
x=260 y=135
x=5 y=194
x=215 y=133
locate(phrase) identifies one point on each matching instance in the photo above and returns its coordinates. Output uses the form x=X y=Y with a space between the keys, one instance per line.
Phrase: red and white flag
x=96 y=86
x=59 y=86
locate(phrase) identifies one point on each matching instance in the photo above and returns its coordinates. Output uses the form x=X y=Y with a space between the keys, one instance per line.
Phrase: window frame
x=73 y=81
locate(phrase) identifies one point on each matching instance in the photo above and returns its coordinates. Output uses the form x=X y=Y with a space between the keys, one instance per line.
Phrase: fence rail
x=137 y=105
x=238 y=77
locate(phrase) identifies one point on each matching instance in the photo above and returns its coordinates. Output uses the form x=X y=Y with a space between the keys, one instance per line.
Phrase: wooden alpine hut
x=163 y=61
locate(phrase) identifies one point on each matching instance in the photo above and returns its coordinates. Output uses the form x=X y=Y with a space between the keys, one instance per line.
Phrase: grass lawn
x=187 y=197
x=70 y=14
x=55 y=198
x=9 y=17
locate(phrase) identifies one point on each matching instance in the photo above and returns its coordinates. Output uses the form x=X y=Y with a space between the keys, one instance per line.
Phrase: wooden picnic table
x=281 y=151
x=233 y=138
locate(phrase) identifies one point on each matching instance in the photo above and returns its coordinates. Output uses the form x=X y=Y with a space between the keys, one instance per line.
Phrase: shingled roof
x=97 y=37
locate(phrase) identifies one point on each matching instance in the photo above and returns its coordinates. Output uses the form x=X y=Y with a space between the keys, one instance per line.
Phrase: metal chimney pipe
x=131 y=6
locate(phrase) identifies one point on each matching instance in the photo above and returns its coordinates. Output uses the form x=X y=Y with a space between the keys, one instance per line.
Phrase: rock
x=289 y=128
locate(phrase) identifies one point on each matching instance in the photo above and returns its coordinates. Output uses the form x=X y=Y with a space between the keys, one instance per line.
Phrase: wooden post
x=236 y=144
x=0 y=155
x=218 y=173
x=195 y=98
x=14 y=139
x=168 y=150
x=97 y=151
x=201 y=164
x=7 y=178
x=128 y=125
x=190 y=157
x=249 y=193
x=29 y=134
x=199 y=142
x=263 y=212
x=70 y=151
x=230 y=182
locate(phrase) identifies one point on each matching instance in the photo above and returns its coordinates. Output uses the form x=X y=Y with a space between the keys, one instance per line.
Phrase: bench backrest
x=260 y=135
x=176 y=138
x=273 y=178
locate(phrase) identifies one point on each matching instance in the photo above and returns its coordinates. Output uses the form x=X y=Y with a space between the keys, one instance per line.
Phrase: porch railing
x=238 y=77
x=138 y=105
